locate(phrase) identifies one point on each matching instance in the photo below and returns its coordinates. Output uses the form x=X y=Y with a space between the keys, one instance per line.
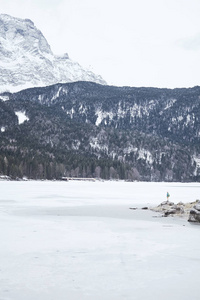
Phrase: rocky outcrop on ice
x=190 y=210
x=26 y=59
x=170 y=208
x=194 y=215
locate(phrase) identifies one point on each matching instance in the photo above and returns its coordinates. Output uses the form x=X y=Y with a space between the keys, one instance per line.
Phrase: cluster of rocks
x=187 y=210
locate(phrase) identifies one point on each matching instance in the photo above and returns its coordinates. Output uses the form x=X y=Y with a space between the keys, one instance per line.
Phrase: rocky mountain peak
x=26 y=58
x=18 y=35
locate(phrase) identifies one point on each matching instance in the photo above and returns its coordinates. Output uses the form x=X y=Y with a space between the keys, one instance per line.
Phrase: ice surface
x=80 y=241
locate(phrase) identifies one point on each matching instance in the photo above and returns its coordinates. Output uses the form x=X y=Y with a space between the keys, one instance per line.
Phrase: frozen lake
x=80 y=241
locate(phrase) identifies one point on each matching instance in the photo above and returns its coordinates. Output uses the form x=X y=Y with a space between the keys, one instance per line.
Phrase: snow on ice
x=79 y=240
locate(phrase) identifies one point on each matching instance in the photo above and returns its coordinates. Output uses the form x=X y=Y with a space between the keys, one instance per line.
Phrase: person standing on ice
x=168 y=195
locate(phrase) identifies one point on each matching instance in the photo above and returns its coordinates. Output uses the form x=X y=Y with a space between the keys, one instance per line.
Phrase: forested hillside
x=84 y=129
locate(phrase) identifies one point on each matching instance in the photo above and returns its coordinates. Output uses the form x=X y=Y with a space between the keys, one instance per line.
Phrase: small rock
x=171 y=211
x=145 y=207
x=167 y=203
x=193 y=211
x=197 y=207
x=194 y=215
x=174 y=206
x=179 y=209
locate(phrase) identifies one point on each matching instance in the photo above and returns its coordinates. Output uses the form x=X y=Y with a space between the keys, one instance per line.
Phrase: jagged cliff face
x=26 y=59
x=112 y=132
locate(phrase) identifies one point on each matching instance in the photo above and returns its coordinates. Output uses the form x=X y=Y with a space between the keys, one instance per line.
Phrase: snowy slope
x=26 y=59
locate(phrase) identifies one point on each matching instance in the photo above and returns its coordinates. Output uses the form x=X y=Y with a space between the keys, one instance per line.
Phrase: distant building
x=78 y=179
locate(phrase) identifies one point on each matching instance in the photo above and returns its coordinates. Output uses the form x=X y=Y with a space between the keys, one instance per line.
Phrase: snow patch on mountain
x=145 y=155
x=71 y=112
x=102 y=116
x=170 y=103
x=197 y=161
x=95 y=144
x=76 y=144
x=180 y=118
x=4 y=98
x=130 y=149
x=21 y=117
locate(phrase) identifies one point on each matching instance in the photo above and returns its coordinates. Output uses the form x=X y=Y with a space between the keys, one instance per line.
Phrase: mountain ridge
x=86 y=129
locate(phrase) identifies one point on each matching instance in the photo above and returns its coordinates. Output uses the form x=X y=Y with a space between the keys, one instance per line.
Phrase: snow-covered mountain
x=26 y=59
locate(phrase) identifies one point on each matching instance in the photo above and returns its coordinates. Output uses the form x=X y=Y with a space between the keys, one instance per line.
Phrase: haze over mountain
x=26 y=59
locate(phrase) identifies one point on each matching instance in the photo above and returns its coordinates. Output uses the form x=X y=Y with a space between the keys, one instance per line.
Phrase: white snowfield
x=80 y=241
x=21 y=117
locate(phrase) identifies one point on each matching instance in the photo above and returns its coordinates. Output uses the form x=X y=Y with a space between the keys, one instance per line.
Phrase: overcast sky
x=128 y=42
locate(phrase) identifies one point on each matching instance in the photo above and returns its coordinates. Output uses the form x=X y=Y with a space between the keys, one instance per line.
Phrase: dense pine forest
x=84 y=129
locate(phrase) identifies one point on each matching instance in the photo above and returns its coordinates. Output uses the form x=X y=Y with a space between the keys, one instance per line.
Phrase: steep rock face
x=26 y=59
x=111 y=132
